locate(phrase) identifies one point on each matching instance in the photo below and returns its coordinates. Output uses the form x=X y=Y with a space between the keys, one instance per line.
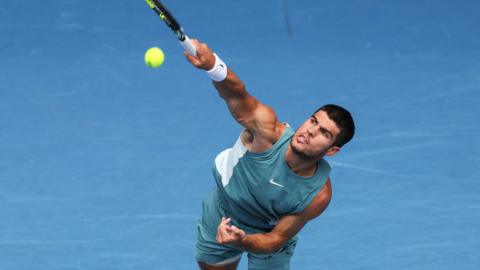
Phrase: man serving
x=270 y=183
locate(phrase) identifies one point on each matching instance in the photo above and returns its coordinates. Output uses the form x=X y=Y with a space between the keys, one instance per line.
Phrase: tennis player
x=270 y=183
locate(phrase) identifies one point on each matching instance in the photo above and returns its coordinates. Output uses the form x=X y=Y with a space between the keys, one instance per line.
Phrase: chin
x=297 y=149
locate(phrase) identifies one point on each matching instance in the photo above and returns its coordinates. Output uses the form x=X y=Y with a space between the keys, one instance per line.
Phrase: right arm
x=259 y=120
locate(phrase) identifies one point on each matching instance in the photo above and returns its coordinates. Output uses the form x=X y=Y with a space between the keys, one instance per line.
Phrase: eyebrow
x=322 y=128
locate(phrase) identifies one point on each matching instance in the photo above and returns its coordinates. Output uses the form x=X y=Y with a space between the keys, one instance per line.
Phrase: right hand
x=205 y=59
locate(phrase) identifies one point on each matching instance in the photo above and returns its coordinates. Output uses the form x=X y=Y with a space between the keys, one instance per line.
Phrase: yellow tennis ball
x=154 y=57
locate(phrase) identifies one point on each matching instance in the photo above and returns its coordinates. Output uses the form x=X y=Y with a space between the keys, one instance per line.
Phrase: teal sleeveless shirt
x=256 y=189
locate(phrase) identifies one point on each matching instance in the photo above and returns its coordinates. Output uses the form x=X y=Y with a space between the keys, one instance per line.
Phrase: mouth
x=302 y=139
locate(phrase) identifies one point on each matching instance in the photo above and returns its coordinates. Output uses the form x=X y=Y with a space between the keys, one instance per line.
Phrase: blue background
x=104 y=162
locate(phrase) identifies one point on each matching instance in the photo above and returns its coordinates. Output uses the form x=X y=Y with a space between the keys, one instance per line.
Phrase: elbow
x=267 y=250
x=271 y=249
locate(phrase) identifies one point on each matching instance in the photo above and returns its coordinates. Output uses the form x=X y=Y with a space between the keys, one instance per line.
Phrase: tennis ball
x=154 y=57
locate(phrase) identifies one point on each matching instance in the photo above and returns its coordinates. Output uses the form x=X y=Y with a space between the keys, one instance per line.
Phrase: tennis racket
x=173 y=24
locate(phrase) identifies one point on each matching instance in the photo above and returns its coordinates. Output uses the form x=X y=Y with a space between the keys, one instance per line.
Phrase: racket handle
x=188 y=45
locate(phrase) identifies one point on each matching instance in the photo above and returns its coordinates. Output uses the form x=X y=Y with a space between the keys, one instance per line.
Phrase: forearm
x=261 y=243
x=231 y=87
x=239 y=102
x=286 y=228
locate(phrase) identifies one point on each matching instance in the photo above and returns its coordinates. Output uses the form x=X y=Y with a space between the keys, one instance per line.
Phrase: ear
x=332 y=151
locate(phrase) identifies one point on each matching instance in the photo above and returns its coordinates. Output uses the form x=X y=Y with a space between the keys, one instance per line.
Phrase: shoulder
x=319 y=203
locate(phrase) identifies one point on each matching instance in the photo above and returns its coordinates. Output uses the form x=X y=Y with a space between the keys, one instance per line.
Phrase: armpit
x=247 y=138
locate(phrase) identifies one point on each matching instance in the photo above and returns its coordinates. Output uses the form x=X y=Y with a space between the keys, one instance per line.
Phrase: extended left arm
x=286 y=228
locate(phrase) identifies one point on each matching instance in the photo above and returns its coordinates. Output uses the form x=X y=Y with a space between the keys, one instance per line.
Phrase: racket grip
x=188 y=45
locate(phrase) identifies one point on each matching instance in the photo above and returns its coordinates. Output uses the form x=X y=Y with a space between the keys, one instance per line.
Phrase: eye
x=325 y=133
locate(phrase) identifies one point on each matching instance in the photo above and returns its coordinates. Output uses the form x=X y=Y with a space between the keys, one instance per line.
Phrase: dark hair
x=344 y=121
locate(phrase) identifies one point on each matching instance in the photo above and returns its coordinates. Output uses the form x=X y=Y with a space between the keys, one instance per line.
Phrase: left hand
x=228 y=234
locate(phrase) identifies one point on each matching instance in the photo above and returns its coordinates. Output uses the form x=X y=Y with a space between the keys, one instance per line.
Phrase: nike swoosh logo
x=272 y=181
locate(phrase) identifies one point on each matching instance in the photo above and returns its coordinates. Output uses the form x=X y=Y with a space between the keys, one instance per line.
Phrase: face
x=315 y=137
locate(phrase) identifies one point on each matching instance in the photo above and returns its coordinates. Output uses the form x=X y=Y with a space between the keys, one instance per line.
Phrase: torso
x=244 y=179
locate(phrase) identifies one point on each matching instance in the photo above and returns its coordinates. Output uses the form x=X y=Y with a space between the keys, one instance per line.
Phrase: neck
x=301 y=165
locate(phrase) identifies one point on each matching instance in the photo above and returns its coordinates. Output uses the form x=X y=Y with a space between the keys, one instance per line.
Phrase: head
x=324 y=133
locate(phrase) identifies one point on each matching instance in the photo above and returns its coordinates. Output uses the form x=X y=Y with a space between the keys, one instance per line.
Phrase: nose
x=310 y=132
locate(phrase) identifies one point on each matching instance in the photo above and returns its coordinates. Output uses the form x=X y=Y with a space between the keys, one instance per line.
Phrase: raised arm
x=259 y=119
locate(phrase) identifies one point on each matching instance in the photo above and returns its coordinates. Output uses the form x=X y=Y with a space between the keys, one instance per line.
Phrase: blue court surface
x=104 y=162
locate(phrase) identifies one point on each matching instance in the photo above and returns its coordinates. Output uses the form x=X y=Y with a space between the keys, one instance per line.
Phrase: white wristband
x=219 y=71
